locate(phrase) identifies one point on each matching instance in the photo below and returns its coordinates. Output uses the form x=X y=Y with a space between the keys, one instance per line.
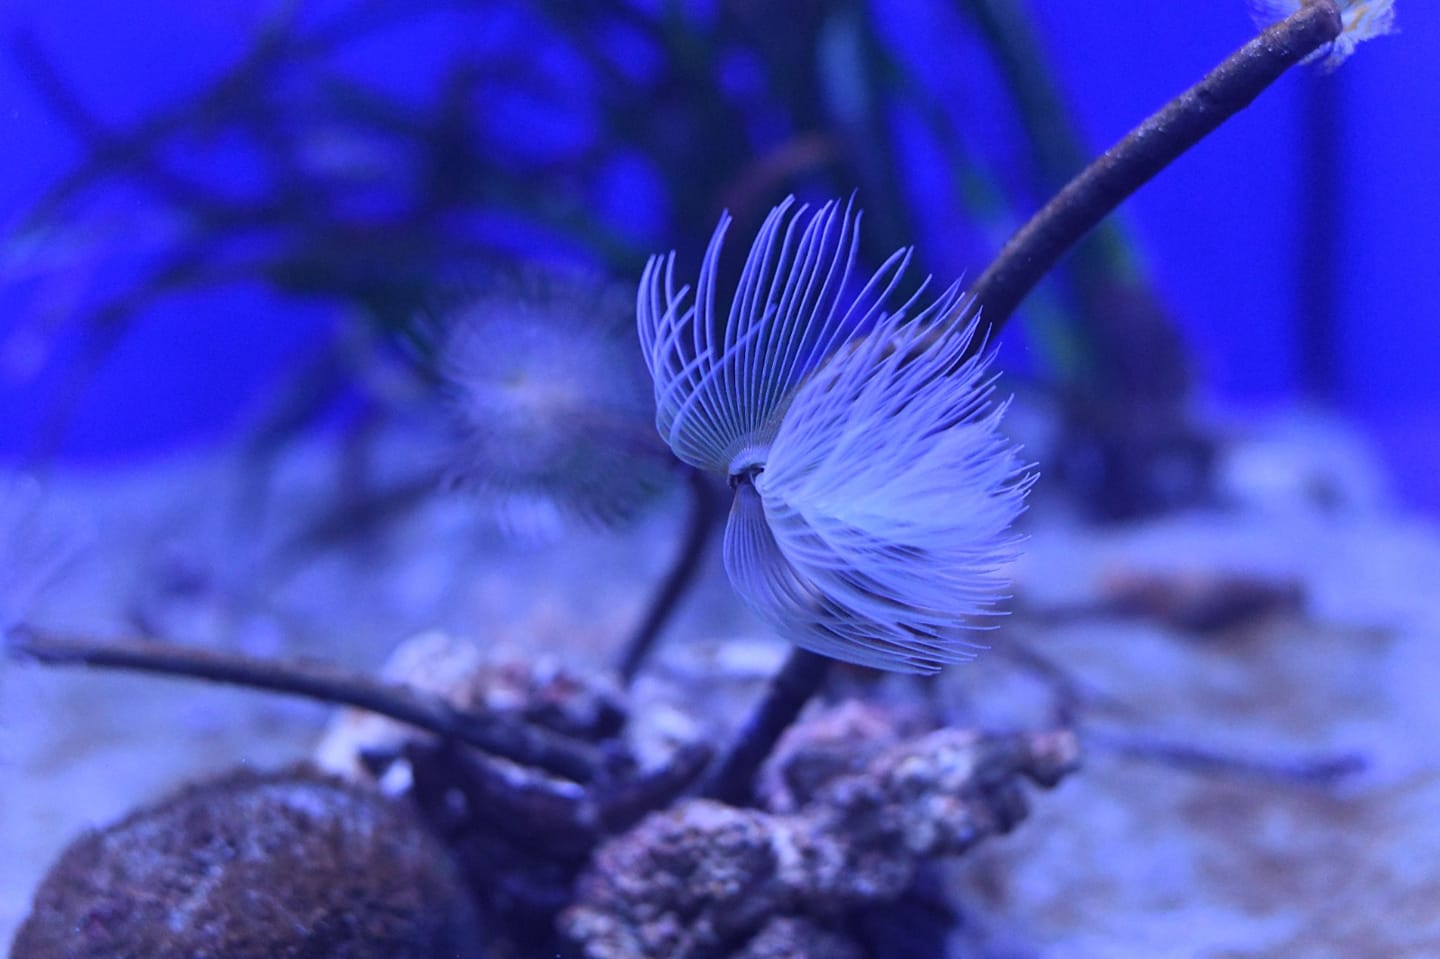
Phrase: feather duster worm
x=873 y=492
x=1360 y=19
x=548 y=403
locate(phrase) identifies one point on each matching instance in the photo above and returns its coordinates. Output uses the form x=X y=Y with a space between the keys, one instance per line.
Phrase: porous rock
x=704 y=880
x=254 y=866
x=786 y=937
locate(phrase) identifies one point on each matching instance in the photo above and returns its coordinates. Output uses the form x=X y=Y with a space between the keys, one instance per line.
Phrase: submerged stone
x=255 y=866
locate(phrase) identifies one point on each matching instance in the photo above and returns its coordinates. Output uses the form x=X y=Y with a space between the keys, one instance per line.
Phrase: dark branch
x=700 y=523
x=1102 y=186
x=1321 y=770
x=501 y=736
x=802 y=675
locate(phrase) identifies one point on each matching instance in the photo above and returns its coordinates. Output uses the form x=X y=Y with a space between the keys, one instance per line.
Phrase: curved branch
x=1183 y=122
x=699 y=526
x=501 y=736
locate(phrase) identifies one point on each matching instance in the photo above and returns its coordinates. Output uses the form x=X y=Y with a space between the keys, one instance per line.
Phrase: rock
x=255 y=866
x=703 y=879
x=788 y=938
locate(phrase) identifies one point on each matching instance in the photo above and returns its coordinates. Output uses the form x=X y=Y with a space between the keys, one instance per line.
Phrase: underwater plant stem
x=1183 y=122
x=1052 y=135
x=1320 y=770
x=1321 y=233
x=800 y=678
x=700 y=524
x=508 y=738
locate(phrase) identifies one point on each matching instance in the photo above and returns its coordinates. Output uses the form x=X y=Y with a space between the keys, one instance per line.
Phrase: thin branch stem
x=700 y=524
x=733 y=779
x=501 y=736
x=1322 y=770
x=1183 y=122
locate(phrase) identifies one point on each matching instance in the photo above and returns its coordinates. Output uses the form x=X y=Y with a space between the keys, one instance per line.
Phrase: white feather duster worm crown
x=1360 y=20
x=873 y=493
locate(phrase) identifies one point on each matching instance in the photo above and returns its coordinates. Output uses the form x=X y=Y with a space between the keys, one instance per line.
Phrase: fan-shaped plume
x=721 y=383
x=873 y=492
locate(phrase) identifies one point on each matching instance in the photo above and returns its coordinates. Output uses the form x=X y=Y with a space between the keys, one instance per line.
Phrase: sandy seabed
x=1139 y=854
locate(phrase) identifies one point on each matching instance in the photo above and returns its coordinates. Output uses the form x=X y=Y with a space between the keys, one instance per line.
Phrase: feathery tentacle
x=873 y=490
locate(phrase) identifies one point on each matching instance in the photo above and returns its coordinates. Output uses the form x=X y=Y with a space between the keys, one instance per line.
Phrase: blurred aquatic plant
x=290 y=171
x=348 y=192
x=302 y=169
x=873 y=493
x=1324 y=121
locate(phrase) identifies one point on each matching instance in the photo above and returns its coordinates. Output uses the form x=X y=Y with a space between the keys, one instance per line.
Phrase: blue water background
x=1218 y=231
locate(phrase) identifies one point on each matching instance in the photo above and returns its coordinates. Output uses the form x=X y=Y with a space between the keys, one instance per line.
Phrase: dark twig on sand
x=699 y=525
x=500 y=736
x=1074 y=698
x=1183 y=122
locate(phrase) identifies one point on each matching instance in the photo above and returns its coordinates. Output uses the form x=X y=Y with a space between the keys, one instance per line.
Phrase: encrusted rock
x=837 y=742
x=252 y=866
x=704 y=880
x=587 y=706
x=685 y=881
